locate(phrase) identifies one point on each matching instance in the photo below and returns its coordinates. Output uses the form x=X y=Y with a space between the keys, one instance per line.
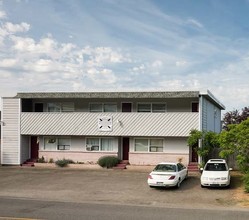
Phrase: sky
x=126 y=45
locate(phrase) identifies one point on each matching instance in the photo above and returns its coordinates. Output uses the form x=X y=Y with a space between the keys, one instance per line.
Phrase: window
x=110 y=107
x=151 y=107
x=141 y=145
x=158 y=107
x=50 y=143
x=99 y=107
x=61 y=107
x=63 y=144
x=149 y=145
x=156 y=145
x=54 y=143
x=100 y=144
x=144 y=107
x=195 y=107
x=95 y=107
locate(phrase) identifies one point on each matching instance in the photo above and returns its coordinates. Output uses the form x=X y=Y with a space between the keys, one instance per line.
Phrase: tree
x=235 y=117
x=209 y=139
x=235 y=140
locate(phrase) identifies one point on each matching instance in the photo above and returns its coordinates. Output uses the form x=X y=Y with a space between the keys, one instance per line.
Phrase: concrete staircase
x=122 y=165
x=28 y=163
x=193 y=167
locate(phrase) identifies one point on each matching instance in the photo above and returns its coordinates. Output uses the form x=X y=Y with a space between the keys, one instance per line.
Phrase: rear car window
x=216 y=167
x=165 y=168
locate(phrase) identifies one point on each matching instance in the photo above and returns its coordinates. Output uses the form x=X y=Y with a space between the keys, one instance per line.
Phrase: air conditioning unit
x=89 y=147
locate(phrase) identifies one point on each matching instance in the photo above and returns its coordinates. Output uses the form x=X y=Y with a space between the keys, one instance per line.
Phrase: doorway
x=34 y=147
x=126 y=107
x=126 y=146
x=194 y=154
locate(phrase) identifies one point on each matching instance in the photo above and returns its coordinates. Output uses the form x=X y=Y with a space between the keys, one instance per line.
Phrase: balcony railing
x=123 y=124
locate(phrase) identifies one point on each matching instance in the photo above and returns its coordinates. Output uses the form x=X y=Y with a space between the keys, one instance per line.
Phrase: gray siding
x=211 y=116
x=124 y=124
x=25 y=148
x=11 y=131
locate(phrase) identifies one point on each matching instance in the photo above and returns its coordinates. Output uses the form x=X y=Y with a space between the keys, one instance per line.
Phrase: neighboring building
x=142 y=127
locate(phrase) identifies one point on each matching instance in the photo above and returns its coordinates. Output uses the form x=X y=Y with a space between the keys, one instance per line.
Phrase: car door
x=182 y=171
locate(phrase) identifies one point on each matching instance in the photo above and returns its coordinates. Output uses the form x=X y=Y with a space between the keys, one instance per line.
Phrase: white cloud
x=2 y=14
x=195 y=23
x=13 y=28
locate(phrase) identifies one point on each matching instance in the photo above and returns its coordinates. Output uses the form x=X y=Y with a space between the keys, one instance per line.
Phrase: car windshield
x=216 y=167
x=165 y=168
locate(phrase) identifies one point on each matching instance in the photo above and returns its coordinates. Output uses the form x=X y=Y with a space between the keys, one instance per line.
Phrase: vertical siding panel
x=10 y=153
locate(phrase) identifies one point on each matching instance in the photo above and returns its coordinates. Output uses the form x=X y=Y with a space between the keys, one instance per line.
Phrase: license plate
x=159 y=183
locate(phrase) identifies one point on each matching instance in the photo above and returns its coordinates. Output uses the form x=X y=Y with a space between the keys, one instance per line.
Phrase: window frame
x=149 y=146
x=103 y=104
x=99 y=147
x=151 y=107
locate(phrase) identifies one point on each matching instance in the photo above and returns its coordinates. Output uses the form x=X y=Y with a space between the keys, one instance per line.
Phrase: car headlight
x=204 y=178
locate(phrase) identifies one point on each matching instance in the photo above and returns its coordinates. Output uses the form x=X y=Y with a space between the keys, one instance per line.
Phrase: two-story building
x=141 y=127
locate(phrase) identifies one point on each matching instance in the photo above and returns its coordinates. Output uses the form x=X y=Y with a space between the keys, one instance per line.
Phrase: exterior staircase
x=193 y=167
x=122 y=165
x=28 y=163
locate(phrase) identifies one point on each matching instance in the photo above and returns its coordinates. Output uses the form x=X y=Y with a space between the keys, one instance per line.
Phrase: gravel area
x=110 y=186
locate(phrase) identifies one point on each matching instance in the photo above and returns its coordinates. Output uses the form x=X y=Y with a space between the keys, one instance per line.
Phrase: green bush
x=108 y=161
x=64 y=162
x=41 y=160
x=246 y=182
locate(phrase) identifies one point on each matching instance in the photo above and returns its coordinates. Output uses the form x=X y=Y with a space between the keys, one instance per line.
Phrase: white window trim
x=99 y=139
x=148 y=147
x=102 y=106
x=151 y=103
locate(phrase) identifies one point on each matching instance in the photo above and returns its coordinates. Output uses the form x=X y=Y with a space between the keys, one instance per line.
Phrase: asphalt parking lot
x=110 y=187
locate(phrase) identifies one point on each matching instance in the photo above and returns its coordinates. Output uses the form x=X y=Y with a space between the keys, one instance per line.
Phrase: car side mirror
x=201 y=170
x=230 y=169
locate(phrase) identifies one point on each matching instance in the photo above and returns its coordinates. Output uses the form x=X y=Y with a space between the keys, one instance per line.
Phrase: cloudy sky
x=126 y=45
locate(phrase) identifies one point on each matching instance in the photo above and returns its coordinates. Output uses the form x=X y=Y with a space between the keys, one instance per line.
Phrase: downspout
x=200 y=125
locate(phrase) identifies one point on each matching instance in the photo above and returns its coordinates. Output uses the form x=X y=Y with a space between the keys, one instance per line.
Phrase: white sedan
x=167 y=175
x=215 y=174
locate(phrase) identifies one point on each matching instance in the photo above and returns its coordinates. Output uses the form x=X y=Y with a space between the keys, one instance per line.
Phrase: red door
x=194 y=154
x=34 y=147
x=126 y=148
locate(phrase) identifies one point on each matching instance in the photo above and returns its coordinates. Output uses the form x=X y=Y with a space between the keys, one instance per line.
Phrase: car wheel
x=178 y=184
x=202 y=186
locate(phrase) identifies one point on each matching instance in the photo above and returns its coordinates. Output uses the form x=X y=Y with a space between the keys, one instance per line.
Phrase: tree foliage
x=208 y=139
x=236 y=141
x=235 y=117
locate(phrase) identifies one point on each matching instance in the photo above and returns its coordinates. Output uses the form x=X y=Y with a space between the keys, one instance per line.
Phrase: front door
x=126 y=147
x=34 y=147
x=194 y=154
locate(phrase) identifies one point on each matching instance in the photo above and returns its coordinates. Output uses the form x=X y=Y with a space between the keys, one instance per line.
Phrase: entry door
x=194 y=154
x=126 y=147
x=126 y=107
x=34 y=147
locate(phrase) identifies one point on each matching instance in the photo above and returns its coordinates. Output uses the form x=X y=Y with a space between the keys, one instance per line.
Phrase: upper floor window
x=151 y=107
x=195 y=107
x=61 y=107
x=103 y=107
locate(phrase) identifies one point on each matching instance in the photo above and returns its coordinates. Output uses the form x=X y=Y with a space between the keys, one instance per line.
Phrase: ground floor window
x=57 y=143
x=148 y=145
x=100 y=144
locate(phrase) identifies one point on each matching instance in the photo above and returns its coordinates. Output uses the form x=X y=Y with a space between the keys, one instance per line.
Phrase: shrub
x=51 y=160
x=246 y=182
x=108 y=161
x=41 y=160
x=64 y=162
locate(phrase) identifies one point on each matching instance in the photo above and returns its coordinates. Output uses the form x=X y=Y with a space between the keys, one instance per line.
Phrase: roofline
x=154 y=94
x=213 y=99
